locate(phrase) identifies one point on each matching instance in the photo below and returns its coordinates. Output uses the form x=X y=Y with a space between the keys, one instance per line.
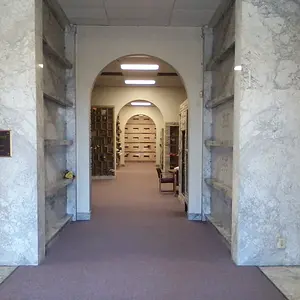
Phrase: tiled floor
x=5 y=272
x=286 y=279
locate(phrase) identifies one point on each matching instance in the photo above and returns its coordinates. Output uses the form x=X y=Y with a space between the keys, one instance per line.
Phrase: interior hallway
x=138 y=245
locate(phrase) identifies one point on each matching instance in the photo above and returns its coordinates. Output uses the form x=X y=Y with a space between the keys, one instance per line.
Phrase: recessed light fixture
x=141 y=103
x=142 y=81
x=140 y=67
x=238 y=68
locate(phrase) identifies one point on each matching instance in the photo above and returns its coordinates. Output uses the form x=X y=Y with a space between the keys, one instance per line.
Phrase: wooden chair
x=165 y=178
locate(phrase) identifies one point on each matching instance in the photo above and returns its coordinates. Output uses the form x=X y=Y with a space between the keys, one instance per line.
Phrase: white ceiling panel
x=191 y=18
x=190 y=13
x=137 y=13
x=93 y=13
x=138 y=22
x=197 y=4
x=145 y=4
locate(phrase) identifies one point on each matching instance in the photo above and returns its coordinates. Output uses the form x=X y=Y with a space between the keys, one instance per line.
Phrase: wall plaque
x=5 y=143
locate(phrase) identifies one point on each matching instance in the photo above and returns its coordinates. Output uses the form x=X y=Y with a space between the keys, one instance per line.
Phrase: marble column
x=266 y=188
x=70 y=42
x=207 y=121
x=22 y=192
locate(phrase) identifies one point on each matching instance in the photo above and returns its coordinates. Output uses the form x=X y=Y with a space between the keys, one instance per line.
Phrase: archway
x=152 y=112
x=140 y=136
x=89 y=72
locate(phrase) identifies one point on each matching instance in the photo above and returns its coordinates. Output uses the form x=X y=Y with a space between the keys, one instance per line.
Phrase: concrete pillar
x=266 y=189
x=22 y=192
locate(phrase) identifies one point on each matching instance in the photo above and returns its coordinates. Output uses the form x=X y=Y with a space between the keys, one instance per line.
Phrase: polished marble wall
x=221 y=74
x=54 y=120
x=266 y=203
x=207 y=121
x=22 y=196
x=70 y=53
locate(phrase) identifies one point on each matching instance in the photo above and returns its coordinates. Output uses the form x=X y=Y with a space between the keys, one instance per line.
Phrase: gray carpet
x=138 y=246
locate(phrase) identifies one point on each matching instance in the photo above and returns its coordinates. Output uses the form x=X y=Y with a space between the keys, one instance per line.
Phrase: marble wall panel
x=53 y=31
x=54 y=78
x=223 y=78
x=55 y=124
x=222 y=118
x=224 y=31
x=55 y=210
x=221 y=207
x=22 y=197
x=223 y=122
x=266 y=188
x=70 y=52
x=207 y=123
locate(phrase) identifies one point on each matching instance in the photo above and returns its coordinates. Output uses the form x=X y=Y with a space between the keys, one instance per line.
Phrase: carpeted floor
x=138 y=246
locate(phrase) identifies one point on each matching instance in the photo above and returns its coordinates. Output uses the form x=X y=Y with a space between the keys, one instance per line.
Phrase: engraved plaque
x=5 y=143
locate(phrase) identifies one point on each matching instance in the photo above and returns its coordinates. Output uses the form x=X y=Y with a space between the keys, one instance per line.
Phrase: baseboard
x=83 y=216
x=194 y=217
x=103 y=177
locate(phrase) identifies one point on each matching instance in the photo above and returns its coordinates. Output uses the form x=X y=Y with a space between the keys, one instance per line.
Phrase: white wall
x=152 y=112
x=180 y=47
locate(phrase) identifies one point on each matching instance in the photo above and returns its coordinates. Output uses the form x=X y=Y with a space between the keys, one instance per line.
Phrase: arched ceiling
x=112 y=75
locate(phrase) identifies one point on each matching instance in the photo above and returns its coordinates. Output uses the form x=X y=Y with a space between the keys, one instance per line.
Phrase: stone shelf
x=58 y=101
x=221 y=144
x=55 y=143
x=217 y=185
x=50 y=51
x=221 y=57
x=218 y=101
x=53 y=189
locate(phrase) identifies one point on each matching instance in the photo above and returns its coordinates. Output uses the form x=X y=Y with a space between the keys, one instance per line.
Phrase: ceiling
x=113 y=76
x=190 y=13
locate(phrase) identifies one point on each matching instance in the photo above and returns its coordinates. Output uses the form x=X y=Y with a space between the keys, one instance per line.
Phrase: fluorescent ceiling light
x=139 y=81
x=143 y=67
x=142 y=103
x=238 y=68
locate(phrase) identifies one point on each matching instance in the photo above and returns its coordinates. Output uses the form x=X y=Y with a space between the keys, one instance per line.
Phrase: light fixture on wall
x=41 y=66
x=140 y=67
x=140 y=103
x=139 y=82
x=238 y=68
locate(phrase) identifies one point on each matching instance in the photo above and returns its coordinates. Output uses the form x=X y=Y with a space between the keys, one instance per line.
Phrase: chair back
x=158 y=170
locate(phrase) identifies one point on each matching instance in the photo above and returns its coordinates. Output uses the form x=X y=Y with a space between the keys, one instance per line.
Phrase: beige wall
x=153 y=112
x=167 y=100
x=166 y=109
